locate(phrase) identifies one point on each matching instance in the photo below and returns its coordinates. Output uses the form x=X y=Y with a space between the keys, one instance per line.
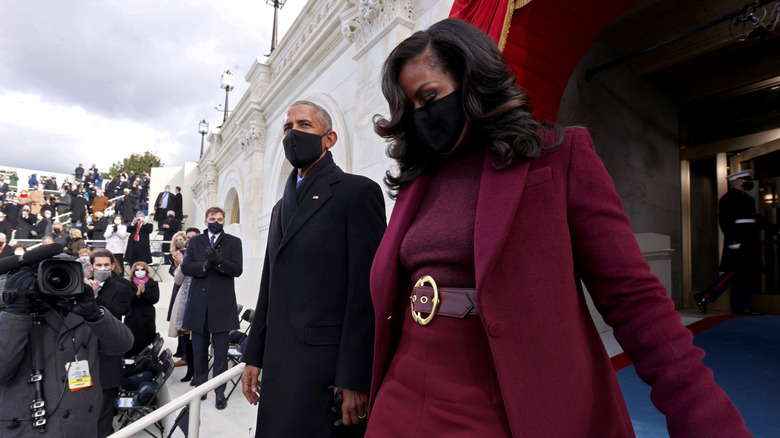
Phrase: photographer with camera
x=49 y=309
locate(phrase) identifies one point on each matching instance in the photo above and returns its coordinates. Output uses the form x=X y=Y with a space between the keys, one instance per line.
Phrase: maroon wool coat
x=541 y=227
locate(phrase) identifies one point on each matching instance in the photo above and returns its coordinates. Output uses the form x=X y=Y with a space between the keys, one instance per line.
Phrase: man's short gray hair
x=322 y=114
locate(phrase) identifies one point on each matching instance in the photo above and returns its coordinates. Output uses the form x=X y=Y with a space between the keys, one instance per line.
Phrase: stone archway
x=232 y=207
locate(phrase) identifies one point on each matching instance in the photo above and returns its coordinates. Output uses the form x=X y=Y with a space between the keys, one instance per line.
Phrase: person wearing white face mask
x=115 y=236
x=140 y=319
x=20 y=249
x=97 y=228
x=43 y=226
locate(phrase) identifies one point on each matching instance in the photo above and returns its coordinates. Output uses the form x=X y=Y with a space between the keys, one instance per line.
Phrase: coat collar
x=317 y=195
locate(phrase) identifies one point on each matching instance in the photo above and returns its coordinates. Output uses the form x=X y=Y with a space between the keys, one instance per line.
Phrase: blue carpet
x=744 y=354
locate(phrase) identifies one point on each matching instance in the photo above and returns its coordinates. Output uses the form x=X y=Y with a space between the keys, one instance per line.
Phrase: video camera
x=55 y=277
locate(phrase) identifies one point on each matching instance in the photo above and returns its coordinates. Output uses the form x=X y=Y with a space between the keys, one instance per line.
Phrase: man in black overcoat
x=138 y=245
x=96 y=230
x=170 y=226
x=12 y=208
x=129 y=205
x=313 y=332
x=78 y=205
x=111 y=186
x=178 y=203
x=114 y=293
x=214 y=259
x=25 y=224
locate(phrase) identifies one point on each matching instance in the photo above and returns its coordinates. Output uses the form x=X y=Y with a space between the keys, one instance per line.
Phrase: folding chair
x=239 y=307
x=152 y=351
x=157 y=258
x=130 y=403
x=182 y=422
x=236 y=349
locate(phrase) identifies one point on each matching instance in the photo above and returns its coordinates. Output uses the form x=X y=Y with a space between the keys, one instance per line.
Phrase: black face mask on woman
x=301 y=148
x=440 y=123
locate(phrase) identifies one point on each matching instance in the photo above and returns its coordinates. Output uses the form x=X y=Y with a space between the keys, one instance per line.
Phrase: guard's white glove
x=735 y=245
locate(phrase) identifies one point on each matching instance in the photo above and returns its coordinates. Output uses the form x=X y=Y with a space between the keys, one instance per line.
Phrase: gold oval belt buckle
x=417 y=316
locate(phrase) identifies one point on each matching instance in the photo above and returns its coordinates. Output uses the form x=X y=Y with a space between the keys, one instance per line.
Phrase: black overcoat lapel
x=318 y=195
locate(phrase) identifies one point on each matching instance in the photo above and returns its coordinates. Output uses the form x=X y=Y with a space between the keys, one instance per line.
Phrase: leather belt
x=446 y=301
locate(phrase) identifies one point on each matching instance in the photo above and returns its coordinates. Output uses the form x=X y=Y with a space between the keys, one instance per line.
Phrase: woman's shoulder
x=562 y=143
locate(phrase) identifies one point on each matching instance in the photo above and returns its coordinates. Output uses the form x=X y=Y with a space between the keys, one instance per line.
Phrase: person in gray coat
x=74 y=332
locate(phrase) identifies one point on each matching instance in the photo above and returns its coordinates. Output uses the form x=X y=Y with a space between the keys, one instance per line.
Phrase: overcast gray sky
x=94 y=81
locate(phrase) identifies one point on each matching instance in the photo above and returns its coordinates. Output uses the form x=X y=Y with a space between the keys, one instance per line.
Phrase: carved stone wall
x=367 y=20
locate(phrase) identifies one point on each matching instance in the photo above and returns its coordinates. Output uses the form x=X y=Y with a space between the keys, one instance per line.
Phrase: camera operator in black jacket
x=73 y=332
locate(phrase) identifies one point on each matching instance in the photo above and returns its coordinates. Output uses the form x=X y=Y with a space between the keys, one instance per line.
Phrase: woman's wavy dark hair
x=498 y=112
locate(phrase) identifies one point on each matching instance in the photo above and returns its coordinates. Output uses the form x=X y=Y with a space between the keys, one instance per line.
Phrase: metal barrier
x=191 y=398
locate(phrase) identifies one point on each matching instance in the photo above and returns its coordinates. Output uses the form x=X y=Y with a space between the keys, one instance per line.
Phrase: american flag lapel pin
x=315 y=197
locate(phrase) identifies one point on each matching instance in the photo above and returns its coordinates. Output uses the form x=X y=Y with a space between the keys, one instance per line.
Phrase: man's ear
x=330 y=139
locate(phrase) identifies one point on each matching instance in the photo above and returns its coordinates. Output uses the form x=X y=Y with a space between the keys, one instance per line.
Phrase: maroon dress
x=442 y=380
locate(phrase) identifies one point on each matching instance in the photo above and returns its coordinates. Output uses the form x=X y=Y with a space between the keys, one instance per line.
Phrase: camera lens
x=58 y=279
x=62 y=278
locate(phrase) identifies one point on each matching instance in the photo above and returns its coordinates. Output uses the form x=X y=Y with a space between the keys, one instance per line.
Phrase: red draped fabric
x=546 y=40
x=487 y=15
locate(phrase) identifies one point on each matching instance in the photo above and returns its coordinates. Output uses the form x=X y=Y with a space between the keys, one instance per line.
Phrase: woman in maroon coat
x=497 y=220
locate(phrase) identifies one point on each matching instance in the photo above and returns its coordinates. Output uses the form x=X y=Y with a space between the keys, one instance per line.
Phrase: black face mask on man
x=748 y=185
x=215 y=227
x=440 y=123
x=301 y=148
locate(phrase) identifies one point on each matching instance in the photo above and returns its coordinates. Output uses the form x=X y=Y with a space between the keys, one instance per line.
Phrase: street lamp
x=203 y=129
x=228 y=82
x=277 y=4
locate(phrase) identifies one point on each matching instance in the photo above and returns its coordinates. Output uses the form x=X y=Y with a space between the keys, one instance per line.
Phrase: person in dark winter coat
x=25 y=224
x=114 y=293
x=313 y=325
x=141 y=317
x=214 y=259
x=170 y=226
x=69 y=413
x=98 y=226
x=138 y=245
x=129 y=205
x=78 y=206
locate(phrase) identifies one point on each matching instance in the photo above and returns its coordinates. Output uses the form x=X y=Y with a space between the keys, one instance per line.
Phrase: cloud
x=104 y=79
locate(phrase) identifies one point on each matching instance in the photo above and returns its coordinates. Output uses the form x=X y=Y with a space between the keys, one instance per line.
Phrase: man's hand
x=213 y=256
x=249 y=384
x=83 y=305
x=353 y=407
x=93 y=284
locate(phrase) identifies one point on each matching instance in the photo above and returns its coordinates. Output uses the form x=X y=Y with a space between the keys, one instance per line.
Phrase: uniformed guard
x=741 y=262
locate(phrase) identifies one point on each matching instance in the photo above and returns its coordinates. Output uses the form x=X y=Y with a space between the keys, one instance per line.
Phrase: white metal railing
x=191 y=398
